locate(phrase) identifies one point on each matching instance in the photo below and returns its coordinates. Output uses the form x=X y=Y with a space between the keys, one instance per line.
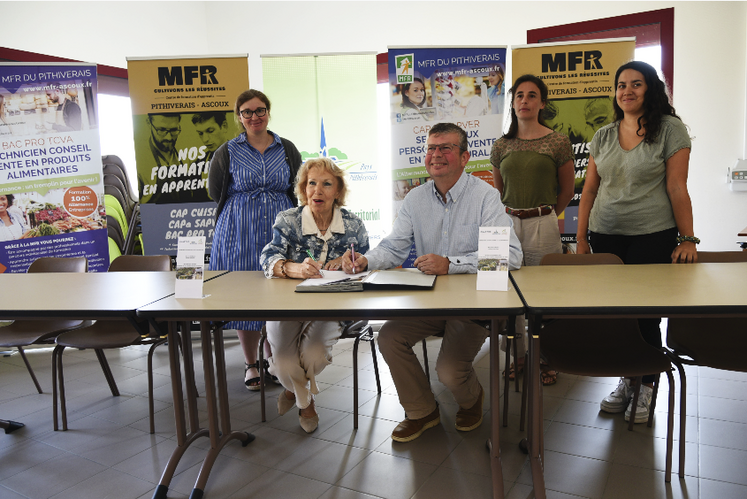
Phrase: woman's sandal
x=548 y=375
x=251 y=383
x=512 y=371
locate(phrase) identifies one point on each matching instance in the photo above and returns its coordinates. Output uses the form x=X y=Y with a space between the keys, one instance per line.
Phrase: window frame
x=664 y=18
x=111 y=80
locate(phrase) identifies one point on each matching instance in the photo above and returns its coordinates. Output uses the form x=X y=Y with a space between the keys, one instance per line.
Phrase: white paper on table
x=493 y=251
x=190 y=258
x=331 y=276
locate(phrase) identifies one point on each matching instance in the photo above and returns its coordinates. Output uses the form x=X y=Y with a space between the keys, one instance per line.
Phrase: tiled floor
x=108 y=451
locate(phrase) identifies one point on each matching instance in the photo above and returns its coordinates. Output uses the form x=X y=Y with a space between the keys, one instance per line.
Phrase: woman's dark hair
x=248 y=95
x=10 y=198
x=655 y=100
x=406 y=102
x=513 y=129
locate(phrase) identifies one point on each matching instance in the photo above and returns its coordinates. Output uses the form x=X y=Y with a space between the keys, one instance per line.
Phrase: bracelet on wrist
x=282 y=268
x=691 y=239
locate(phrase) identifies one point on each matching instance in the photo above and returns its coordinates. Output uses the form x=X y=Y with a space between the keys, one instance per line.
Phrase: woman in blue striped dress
x=251 y=178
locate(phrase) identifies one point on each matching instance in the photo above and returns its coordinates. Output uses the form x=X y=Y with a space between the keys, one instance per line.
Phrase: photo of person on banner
x=459 y=95
x=175 y=175
x=12 y=222
x=496 y=90
x=212 y=128
x=4 y=126
x=579 y=119
x=414 y=104
x=68 y=114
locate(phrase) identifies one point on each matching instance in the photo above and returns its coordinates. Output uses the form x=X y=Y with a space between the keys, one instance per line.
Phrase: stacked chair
x=122 y=209
x=111 y=334
x=689 y=342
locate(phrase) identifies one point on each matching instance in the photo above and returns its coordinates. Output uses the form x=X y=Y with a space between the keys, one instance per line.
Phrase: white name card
x=190 y=259
x=492 y=258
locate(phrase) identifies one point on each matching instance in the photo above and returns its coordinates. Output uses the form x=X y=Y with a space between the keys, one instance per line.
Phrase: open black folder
x=376 y=280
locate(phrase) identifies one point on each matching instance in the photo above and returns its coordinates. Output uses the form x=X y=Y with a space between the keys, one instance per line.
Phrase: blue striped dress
x=256 y=194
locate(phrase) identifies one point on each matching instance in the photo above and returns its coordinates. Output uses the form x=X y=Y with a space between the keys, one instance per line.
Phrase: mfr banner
x=464 y=86
x=580 y=78
x=51 y=189
x=182 y=111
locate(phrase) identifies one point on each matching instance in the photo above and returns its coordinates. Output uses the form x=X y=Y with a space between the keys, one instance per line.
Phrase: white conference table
x=96 y=295
x=703 y=289
x=249 y=295
x=85 y=296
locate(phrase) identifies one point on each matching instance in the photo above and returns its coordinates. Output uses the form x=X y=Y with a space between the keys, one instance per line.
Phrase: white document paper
x=331 y=277
x=190 y=259
x=492 y=258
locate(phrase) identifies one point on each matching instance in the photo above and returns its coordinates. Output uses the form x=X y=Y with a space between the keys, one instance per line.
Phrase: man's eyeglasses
x=167 y=131
x=444 y=148
x=247 y=113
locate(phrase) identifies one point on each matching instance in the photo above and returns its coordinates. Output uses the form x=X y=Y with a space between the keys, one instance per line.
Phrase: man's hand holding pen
x=354 y=264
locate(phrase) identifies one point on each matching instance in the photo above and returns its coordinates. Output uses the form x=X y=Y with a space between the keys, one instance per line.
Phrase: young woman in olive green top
x=533 y=170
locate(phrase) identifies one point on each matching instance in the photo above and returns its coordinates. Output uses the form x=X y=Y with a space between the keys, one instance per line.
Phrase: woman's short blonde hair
x=327 y=165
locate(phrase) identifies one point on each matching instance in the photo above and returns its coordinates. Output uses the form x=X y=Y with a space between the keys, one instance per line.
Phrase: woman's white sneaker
x=619 y=399
x=643 y=407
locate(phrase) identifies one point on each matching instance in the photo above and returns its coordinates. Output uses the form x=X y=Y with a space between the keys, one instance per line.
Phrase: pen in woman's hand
x=352 y=254
x=311 y=255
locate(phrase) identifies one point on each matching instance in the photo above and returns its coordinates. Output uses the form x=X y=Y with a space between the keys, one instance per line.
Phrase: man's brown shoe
x=410 y=429
x=469 y=419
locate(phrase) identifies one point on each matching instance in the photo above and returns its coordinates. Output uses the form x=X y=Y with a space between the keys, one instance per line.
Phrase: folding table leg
x=534 y=428
x=495 y=394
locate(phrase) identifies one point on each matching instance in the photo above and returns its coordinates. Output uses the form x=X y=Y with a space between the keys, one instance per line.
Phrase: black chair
x=114 y=231
x=119 y=171
x=689 y=343
x=22 y=333
x=359 y=330
x=606 y=347
x=112 y=334
x=115 y=181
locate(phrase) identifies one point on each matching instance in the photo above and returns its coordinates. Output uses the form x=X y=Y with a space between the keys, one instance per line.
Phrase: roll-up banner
x=51 y=190
x=580 y=78
x=182 y=111
x=432 y=85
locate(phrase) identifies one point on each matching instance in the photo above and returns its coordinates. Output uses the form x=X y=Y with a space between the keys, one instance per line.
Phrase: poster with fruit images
x=51 y=186
x=465 y=86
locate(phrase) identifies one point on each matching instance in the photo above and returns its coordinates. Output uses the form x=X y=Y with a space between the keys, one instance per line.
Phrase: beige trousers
x=462 y=340
x=300 y=351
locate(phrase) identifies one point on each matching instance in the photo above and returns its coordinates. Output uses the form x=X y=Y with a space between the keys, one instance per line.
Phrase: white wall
x=710 y=51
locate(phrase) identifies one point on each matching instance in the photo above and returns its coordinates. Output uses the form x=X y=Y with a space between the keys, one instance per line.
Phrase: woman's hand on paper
x=308 y=269
x=335 y=264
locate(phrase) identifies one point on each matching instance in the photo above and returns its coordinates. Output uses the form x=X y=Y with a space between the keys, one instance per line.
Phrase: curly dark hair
x=513 y=128
x=655 y=101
